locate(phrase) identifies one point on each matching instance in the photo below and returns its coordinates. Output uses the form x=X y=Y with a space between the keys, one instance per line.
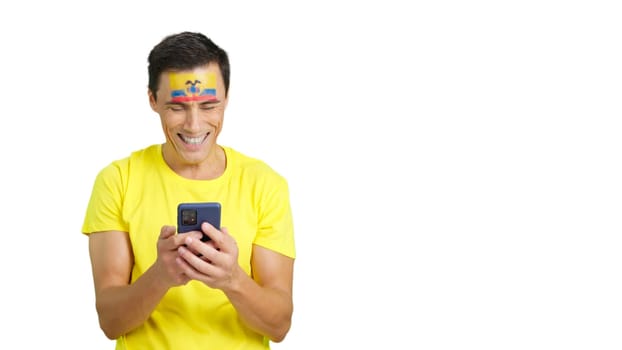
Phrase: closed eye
x=175 y=107
x=206 y=106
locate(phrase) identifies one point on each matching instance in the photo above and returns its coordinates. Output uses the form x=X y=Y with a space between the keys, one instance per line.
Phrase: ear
x=152 y=100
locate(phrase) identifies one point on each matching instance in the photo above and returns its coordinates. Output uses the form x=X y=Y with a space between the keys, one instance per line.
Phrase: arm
x=122 y=306
x=263 y=302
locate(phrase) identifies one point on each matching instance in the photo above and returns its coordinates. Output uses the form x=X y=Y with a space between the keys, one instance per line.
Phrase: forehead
x=182 y=80
x=197 y=84
x=210 y=72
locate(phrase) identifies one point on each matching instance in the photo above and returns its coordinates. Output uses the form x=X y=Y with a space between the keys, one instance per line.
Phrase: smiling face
x=191 y=105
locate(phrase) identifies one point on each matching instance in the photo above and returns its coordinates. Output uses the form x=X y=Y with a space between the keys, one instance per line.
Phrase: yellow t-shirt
x=139 y=194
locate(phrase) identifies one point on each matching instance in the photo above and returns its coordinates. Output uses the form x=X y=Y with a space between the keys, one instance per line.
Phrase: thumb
x=167 y=231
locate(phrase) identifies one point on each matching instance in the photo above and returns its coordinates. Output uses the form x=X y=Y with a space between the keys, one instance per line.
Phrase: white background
x=455 y=166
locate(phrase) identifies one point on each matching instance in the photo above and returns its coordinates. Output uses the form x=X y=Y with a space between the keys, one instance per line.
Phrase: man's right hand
x=168 y=242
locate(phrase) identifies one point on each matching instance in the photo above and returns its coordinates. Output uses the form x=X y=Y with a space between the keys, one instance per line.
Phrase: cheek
x=165 y=126
x=171 y=120
x=216 y=120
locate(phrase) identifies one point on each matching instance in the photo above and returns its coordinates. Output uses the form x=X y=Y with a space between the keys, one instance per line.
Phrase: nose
x=193 y=122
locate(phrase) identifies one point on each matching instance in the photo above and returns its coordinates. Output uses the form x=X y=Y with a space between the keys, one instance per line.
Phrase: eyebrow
x=209 y=102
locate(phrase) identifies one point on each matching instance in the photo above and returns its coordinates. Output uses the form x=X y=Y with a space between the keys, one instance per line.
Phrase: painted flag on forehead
x=186 y=87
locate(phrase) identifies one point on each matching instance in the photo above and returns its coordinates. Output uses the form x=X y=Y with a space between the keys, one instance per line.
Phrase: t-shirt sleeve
x=105 y=207
x=275 y=230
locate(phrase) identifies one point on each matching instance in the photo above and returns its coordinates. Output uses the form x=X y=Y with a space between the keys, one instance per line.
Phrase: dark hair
x=182 y=51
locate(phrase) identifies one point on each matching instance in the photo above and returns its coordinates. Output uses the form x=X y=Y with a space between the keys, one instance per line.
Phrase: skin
x=263 y=301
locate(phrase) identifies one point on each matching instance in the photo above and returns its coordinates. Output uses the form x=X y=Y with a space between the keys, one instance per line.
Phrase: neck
x=212 y=167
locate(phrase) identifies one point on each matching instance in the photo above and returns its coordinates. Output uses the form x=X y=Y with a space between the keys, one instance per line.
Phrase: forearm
x=123 y=308
x=268 y=311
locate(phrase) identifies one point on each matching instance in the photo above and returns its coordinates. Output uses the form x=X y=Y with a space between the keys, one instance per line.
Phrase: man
x=158 y=289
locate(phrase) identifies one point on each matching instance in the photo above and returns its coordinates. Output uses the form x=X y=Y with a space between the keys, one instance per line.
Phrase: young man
x=158 y=289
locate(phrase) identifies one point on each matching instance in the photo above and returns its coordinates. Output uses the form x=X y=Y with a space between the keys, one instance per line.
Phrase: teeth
x=192 y=140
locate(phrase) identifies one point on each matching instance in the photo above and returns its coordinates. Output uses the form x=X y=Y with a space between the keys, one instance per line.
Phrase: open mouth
x=193 y=140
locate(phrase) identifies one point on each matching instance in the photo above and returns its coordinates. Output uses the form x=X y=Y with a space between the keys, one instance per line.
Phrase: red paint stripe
x=194 y=98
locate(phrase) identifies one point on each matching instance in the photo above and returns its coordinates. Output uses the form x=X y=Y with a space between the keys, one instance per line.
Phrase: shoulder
x=250 y=165
x=121 y=166
x=147 y=154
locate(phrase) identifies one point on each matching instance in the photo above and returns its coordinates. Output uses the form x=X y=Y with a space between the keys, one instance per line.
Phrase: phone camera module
x=189 y=217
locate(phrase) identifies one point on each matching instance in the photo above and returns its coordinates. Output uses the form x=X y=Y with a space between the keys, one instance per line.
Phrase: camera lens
x=189 y=217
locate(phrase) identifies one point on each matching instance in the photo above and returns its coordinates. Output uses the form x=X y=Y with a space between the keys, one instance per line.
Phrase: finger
x=167 y=231
x=198 y=247
x=183 y=266
x=181 y=238
x=221 y=239
x=191 y=273
x=209 y=253
x=192 y=265
x=213 y=233
x=192 y=241
x=164 y=239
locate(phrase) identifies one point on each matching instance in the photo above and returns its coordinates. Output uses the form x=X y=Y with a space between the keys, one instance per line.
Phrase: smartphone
x=190 y=216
